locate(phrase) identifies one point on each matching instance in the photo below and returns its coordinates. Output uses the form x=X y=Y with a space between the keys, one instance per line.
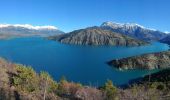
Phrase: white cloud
x=28 y=26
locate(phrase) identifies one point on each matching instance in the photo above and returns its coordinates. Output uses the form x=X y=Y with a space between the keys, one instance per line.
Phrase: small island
x=97 y=36
x=158 y=60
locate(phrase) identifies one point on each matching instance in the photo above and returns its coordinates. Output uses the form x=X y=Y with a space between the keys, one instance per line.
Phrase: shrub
x=66 y=88
x=47 y=82
x=110 y=90
x=26 y=79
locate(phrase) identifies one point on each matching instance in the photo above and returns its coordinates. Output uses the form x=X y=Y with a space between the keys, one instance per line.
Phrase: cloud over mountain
x=28 y=26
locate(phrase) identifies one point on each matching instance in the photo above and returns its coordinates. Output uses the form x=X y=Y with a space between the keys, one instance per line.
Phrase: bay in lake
x=84 y=64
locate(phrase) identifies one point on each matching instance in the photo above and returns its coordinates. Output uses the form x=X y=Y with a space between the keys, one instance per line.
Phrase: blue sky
x=68 y=15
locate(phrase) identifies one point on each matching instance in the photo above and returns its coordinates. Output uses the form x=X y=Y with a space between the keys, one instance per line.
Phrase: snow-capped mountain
x=134 y=30
x=22 y=30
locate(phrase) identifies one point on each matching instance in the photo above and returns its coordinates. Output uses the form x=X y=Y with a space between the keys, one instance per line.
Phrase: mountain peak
x=28 y=26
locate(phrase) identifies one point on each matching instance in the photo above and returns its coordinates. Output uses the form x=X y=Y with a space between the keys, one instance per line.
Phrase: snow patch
x=125 y=25
x=167 y=32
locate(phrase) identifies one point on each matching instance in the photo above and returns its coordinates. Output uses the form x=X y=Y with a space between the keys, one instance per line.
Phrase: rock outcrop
x=97 y=36
x=147 y=61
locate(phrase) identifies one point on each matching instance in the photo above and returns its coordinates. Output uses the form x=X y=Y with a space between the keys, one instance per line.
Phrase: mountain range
x=132 y=30
x=23 y=30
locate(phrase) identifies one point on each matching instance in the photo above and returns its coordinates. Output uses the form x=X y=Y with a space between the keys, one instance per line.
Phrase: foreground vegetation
x=19 y=82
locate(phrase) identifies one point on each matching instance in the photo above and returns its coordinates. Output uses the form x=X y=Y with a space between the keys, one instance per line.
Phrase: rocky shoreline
x=150 y=61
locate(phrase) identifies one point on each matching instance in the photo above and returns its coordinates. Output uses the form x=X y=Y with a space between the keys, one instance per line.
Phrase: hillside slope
x=97 y=36
x=18 y=82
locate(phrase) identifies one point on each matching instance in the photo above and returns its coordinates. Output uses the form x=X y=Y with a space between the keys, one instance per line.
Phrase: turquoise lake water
x=84 y=64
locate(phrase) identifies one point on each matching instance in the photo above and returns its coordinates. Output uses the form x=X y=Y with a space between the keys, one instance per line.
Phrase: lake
x=84 y=64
